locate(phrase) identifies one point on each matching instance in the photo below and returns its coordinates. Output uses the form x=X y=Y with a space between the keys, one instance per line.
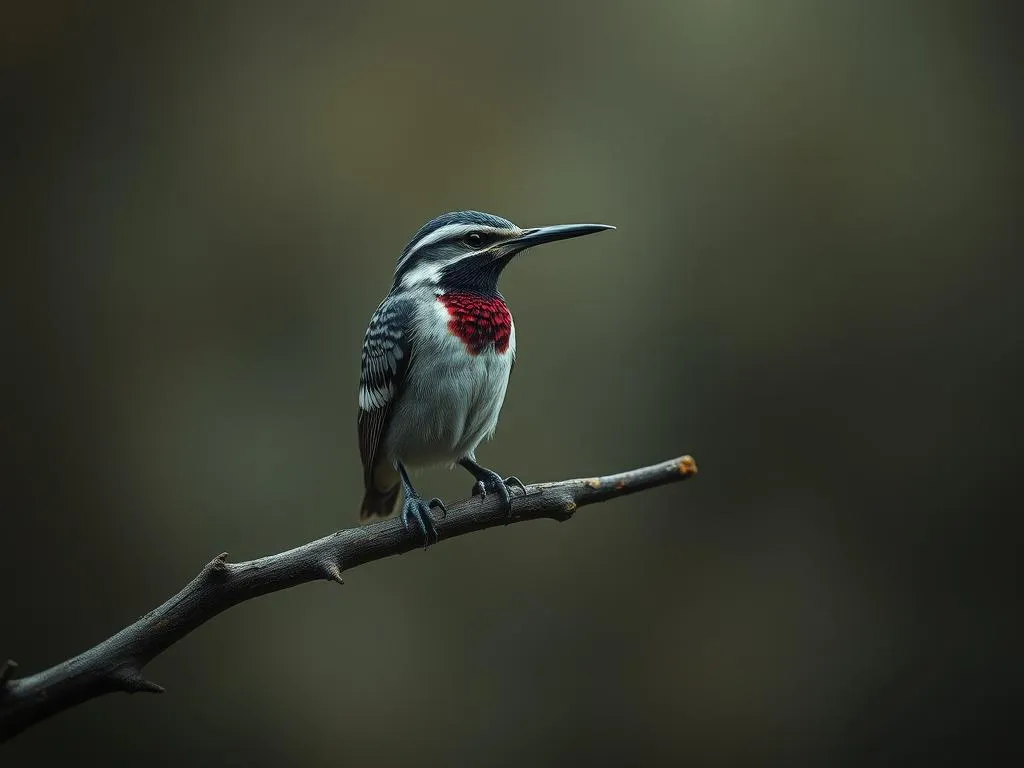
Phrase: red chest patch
x=478 y=321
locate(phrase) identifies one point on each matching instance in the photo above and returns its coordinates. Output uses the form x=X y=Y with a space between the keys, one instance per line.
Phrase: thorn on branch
x=564 y=511
x=332 y=572
x=130 y=680
x=217 y=569
x=7 y=670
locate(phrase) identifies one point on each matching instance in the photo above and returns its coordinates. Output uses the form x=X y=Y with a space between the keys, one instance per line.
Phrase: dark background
x=812 y=290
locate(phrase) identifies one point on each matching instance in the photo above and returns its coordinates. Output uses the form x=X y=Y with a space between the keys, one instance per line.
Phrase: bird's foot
x=494 y=483
x=416 y=512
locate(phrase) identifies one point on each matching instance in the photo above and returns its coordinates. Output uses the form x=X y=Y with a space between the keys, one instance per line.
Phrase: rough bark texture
x=116 y=663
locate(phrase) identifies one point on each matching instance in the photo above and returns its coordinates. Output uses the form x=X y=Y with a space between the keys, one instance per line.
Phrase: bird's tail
x=379 y=504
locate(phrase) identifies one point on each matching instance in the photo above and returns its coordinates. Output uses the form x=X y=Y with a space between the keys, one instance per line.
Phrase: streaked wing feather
x=385 y=363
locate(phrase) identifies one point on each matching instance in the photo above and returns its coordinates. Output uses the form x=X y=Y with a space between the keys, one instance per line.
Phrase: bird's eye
x=474 y=239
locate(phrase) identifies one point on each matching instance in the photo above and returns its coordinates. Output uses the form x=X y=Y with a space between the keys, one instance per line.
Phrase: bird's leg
x=489 y=481
x=414 y=509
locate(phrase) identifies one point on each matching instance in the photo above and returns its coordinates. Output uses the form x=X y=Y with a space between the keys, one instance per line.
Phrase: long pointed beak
x=532 y=237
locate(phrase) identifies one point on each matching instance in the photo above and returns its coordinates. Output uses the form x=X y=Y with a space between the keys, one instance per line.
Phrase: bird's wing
x=386 y=356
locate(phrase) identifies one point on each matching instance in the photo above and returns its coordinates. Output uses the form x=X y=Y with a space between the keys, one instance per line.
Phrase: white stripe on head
x=441 y=233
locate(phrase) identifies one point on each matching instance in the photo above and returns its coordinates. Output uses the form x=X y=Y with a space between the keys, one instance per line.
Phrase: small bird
x=436 y=361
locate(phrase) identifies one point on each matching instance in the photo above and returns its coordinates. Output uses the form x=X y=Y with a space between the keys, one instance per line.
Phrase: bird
x=436 y=359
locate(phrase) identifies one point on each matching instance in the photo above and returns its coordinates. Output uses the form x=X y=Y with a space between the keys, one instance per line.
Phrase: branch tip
x=7 y=670
x=687 y=466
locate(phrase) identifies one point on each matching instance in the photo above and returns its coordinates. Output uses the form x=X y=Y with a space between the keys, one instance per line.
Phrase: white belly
x=451 y=401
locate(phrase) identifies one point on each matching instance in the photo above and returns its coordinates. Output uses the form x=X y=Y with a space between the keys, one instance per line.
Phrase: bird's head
x=468 y=249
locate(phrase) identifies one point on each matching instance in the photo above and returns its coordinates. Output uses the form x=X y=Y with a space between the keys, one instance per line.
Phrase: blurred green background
x=812 y=289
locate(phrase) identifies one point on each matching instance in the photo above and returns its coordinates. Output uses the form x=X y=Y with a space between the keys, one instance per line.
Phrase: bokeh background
x=812 y=289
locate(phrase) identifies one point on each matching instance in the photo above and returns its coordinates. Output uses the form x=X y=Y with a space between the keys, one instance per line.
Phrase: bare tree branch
x=116 y=663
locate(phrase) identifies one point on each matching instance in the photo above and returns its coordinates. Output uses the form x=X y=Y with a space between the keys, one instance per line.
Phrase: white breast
x=451 y=400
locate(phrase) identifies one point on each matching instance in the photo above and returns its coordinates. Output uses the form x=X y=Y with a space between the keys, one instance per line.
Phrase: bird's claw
x=417 y=510
x=515 y=482
x=495 y=484
x=436 y=503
